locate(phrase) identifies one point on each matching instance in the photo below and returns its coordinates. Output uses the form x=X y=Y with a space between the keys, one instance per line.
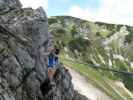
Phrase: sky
x=109 y=11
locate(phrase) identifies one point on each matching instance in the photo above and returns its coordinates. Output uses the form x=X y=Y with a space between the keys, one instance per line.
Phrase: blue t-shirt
x=51 y=60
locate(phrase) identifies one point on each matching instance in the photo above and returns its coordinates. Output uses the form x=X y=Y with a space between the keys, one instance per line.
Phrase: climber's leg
x=53 y=72
x=50 y=74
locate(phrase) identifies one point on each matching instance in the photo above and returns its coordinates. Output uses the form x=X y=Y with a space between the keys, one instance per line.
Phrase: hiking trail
x=85 y=88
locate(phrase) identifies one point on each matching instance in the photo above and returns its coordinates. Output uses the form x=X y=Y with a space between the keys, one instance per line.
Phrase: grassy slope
x=62 y=26
x=98 y=80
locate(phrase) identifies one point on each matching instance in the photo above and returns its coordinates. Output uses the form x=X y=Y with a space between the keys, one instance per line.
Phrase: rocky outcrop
x=7 y=5
x=23 y=39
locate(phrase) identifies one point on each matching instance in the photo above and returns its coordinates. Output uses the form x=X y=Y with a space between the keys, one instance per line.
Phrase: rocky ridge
x=24 y=37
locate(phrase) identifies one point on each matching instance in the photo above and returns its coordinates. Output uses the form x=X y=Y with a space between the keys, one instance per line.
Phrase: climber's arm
x=45 y=53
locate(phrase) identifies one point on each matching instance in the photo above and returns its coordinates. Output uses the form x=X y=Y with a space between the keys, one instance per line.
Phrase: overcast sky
x=111 y=11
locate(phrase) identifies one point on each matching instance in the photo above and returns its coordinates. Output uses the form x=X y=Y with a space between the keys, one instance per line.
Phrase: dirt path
x=85 y=88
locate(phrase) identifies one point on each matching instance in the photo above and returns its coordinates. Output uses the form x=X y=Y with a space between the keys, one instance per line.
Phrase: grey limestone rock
x=24 y=37
x=7 y=5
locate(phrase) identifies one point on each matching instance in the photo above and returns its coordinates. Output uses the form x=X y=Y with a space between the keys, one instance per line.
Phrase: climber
x=52 y=62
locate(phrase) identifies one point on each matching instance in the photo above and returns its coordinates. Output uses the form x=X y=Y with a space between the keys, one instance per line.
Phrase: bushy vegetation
x=78 y=44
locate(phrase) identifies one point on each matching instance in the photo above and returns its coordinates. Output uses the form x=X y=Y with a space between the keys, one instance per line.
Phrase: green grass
x=97 y=79
x=104 y=33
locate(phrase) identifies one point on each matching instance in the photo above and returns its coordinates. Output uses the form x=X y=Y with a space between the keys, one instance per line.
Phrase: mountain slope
x=98 y=80
x=107 y=46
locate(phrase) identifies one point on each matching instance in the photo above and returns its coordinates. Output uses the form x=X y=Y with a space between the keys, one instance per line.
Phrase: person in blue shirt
x=52 y=62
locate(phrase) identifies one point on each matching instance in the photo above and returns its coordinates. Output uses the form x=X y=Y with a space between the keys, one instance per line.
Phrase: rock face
x=23 y=39
x=7 y=5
